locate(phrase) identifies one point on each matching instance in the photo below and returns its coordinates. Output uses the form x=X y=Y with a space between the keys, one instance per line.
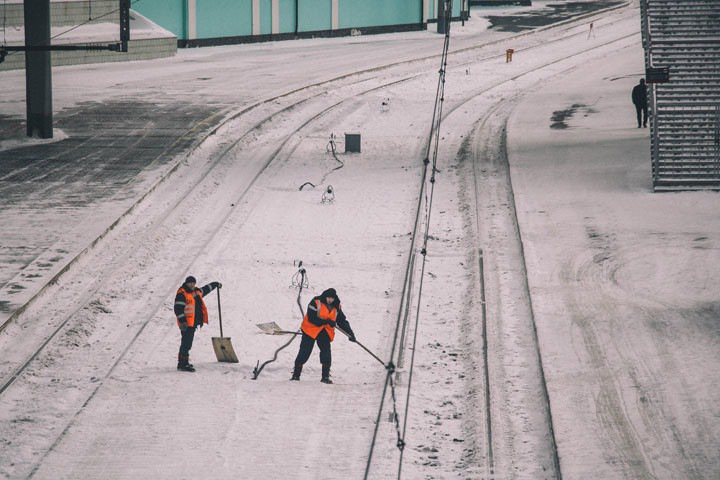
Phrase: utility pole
x=38 y=66
x=38 y=69
x=444 y=16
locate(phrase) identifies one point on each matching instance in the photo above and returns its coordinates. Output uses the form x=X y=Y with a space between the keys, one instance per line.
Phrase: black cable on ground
x=300 y=280
x=332 y=149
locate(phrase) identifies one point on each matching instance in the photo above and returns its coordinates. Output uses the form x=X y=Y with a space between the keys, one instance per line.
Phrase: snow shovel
x=223 y=347
x=367 y=350
x=272 y=328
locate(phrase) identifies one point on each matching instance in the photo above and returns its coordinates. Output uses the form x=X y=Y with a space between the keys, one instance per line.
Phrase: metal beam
x=124 y=25
x=38 y=66
x=38 y=71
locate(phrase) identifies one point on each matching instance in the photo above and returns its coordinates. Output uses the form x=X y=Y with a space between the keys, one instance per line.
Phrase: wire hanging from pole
x=439 y=102
x=300 y=281
x=433 y=141
x=4 y=54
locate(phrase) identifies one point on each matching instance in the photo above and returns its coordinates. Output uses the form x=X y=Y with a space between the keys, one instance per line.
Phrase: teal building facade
x=217 y=22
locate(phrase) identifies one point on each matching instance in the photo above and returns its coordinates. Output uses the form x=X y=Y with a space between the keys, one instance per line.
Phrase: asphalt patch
x=108 y=144
x=559 y=118
x=11 y=127
x=552 y=13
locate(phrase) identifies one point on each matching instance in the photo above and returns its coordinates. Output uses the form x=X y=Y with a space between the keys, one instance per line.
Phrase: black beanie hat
x=190 y=279
x=330 y=292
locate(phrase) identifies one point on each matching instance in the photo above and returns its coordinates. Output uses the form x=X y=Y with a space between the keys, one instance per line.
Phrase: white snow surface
x=619 y=309
x=94 y=32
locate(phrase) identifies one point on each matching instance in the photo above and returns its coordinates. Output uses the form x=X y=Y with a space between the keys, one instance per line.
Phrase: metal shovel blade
x=271 y=328
x=224 y=350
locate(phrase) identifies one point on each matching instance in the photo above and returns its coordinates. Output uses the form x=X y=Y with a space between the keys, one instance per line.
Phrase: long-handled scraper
x=223 y=347
x=272 y=328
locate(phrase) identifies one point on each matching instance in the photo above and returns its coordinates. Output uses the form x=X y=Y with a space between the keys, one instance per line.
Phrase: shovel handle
x=219 y=312
x=363 y=347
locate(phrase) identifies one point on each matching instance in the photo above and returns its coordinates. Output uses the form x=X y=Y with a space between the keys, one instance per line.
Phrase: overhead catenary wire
x=425 y=199
x=106 y=14
x=75 y=27
x=439 y=102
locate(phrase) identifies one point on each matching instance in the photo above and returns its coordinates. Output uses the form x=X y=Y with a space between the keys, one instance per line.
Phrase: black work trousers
x=186 y=341
x=642 y=114
x=306 y=346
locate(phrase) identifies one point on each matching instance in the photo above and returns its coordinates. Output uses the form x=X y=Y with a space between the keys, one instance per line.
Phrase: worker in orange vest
x=191 y=314
x=323 y=315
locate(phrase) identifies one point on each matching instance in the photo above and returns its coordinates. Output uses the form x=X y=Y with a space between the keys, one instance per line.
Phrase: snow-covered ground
x=619 y=310
x=623 y=282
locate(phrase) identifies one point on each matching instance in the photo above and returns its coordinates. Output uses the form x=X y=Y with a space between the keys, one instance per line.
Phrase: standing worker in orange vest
x=323 y=315
x=191 y=313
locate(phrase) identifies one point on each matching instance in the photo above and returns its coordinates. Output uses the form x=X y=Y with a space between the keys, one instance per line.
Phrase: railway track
x=500 y=252
x=462 y=57
x=94 y=278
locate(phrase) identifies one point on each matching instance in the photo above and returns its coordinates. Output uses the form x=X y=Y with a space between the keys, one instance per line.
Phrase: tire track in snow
x=157 y=227
x=521 y=437
x=147 y=232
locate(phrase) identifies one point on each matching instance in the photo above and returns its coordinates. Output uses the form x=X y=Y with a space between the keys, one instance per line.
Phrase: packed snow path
x=103 y=400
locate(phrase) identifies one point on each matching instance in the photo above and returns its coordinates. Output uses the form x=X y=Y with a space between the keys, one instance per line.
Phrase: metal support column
x=124 y=25
x=444 y=16
x=38 y=69
x=716 y=160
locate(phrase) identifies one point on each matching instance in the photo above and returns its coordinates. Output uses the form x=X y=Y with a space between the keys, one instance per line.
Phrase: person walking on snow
x=639 y=99
x=191 y=314
x=323 y=315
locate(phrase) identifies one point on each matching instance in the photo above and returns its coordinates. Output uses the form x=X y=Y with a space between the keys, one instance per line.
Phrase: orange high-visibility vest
x=190 y=306
x=323 y=313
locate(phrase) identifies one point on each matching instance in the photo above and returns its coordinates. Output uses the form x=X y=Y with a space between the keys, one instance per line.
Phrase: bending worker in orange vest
x=323 y=314
x=191 y=313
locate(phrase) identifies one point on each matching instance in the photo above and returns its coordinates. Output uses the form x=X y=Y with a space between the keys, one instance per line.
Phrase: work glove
x=216 y=285
x=330 y=322
x=183 y=326
x=352 y=337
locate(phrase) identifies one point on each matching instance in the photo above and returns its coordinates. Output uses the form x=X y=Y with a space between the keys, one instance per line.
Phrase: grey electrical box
x=657 y=74
x=352 y=142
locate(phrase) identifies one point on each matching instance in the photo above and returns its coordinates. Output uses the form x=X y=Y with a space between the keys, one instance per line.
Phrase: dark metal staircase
x=684 y=36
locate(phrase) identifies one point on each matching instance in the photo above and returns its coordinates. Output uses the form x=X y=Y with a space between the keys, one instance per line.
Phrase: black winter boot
x=296 y=373
x=184 y=364
x=326 y=374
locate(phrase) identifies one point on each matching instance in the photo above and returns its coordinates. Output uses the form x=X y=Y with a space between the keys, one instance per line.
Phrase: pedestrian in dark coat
x=639 y=99
x=191 y=314
x=324 y=314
